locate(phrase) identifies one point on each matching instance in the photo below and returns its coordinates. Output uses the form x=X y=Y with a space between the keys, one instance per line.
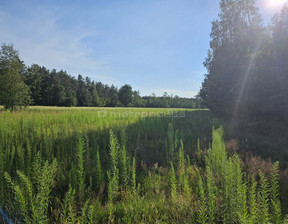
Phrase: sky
x=156 y=46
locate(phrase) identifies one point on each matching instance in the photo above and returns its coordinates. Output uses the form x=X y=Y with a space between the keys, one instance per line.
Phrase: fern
x=11 y=159
x=176 y=142
x=45 y=184
x=80 y=167
x=285 y=221
x=29 y=155
x=112 y=193
x=123 y=137
x=2 y=166
x=85 y=210
x=134 y=175
x=211 y=195
x=33 y=201
x=181 y=168
x=19 y=197
x=170 y=134
x=114 y=153
x=28 y=192
x=99 y=171
x=173 y=182
x=274 y=192
x=92 y=214
x=240 y=189
x=217 y=155
x=113 y=174
x=198 y=149
x=263 y=199
x=68 y=207
x=124 y=167
x=252 y=202
x=202 y=213
x=36 y=167
x=20 y=158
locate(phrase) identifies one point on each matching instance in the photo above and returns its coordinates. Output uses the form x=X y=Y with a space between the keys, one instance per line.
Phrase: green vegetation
x=125 y=95
x=14 y=94
x=67 y=165
x=24 y=85
x=246 y=81
x=106 y=165
x=246 y=65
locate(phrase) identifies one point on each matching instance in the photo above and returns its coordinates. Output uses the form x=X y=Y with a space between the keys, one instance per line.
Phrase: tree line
x=22 y=85
x=247 y=69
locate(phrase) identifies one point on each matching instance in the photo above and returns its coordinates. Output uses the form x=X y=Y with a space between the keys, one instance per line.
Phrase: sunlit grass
x=112 y=165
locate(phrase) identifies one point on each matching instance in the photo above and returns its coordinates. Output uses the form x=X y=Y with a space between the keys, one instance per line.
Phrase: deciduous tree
x=125 y=95
x=14 y=93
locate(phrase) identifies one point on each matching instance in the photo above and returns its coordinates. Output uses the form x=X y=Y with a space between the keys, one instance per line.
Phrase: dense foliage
x=52 y=88
x=20 y=84
x=93 y=166
x=247 y=64
x=247 y=78
x=14 y=94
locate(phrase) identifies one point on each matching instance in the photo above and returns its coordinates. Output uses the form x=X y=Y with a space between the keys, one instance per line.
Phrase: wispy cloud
x=40 y=39
x=112 y=41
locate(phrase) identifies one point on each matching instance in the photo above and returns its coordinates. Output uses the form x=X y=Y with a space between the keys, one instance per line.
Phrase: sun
x=275 y=4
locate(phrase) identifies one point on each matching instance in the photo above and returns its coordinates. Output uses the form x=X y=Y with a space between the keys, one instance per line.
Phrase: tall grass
x=86 y=165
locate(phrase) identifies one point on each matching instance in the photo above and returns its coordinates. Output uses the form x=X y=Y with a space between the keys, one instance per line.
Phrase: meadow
x=128 y=165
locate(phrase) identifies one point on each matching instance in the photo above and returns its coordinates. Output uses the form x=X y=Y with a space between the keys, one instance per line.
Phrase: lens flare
x=275 y=4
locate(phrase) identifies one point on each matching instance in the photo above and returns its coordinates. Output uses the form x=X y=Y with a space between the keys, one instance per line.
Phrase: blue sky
x=155 y=46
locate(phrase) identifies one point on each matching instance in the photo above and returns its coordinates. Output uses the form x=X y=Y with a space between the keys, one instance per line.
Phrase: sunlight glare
x=275 y=4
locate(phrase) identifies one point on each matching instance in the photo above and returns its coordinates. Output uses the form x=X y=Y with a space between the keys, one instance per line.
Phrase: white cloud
x=41 y=40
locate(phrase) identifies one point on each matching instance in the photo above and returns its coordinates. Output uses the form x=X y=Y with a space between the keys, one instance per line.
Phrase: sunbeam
x=243 y=86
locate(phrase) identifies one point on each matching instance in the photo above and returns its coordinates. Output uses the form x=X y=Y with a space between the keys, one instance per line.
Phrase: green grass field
x=127 y=165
